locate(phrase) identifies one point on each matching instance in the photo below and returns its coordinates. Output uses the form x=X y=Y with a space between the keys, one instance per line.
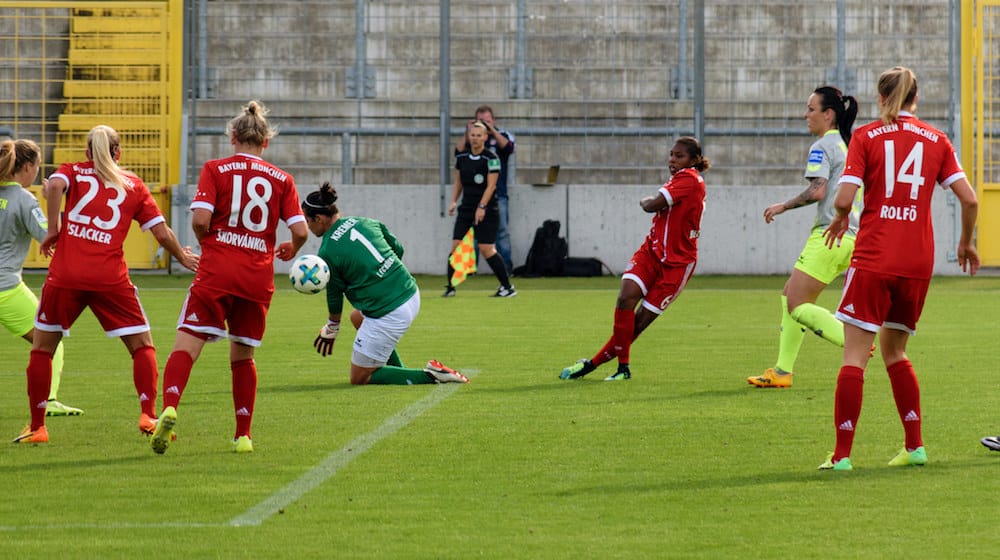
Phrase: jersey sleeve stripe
x=146 y=226
x=951 y=179
x=666 y=195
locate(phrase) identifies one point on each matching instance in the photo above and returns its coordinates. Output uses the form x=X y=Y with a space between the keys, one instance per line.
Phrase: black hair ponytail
x=321 y=202
x=845 y=107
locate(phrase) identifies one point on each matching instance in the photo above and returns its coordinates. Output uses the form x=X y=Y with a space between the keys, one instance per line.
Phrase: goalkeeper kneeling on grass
x=365 y=267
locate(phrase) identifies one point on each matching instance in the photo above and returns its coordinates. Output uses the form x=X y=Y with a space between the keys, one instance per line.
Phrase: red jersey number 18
x=259 y=192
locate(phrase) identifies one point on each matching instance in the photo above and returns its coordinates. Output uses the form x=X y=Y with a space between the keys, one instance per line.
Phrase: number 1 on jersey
x=909 y=172
x=357 y=236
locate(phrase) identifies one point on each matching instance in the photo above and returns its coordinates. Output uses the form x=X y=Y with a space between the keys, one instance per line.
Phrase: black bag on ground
x=582 y=266
x=547 y=253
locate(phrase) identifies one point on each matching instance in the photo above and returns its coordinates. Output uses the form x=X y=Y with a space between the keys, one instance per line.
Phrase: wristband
x=331 y=330
x=482 y=207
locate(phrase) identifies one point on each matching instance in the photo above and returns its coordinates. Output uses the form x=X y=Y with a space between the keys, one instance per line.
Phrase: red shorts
x=661 y=284
x=206 y=314
x=872 y=300
x=117 y=309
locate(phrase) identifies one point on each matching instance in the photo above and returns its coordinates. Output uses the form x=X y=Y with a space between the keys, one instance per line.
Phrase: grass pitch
x=684 y=461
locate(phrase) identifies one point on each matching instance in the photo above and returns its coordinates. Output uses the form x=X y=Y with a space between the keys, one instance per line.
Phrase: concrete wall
x=600 y=65
x=602 y=221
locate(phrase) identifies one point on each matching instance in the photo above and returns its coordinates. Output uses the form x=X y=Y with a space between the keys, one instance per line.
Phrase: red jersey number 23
x=93 y=187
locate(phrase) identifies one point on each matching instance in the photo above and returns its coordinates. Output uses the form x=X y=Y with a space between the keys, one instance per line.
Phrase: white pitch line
x=340 y=459
x=298 y=488
x=107 y=526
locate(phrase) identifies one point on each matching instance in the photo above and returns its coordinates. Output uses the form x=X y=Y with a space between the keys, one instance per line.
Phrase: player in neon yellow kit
x=366 y=268
x=830 y=116
x=21 y=219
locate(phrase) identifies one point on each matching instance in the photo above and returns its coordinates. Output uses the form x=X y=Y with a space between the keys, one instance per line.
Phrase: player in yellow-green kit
x=366 y=268
x=21 y=219
x=829 y=115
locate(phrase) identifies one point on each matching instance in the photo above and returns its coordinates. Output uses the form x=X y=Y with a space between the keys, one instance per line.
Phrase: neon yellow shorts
x=822 y=263
x=17 y=309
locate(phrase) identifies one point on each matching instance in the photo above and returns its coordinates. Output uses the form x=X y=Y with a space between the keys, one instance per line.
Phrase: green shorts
x=18 y=306
x=822 y=263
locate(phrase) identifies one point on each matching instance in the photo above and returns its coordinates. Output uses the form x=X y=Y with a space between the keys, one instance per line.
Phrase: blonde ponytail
x=14 y=155
x=898 y=88
x=103 y=147
x=7 y=157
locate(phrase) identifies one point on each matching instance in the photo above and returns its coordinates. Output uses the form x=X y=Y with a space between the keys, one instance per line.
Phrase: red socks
x=145 y=376
x=847 y=408
x=39 y=375
x=906 y=392
x=605 y=354
x=244 y=394
x=622 y=337
x=175 y=377
x=610 y=350
x=244 y=383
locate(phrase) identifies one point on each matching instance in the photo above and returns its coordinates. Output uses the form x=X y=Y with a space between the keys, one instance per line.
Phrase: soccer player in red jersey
x=661 y=267
x=897 y=160
x=235 y=218
x=88 y=270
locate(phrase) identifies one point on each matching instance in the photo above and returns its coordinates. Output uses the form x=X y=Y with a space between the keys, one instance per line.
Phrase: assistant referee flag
x=463 y=258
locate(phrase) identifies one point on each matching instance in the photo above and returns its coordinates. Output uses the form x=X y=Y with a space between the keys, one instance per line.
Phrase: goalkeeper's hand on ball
x=327 y=336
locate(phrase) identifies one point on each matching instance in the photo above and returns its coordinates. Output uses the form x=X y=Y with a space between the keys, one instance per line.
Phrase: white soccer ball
x=309 y=274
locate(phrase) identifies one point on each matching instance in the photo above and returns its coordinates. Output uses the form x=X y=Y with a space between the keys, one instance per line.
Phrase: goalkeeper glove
x=327 y=336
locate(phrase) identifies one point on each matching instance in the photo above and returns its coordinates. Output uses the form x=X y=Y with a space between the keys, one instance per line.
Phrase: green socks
x=394 y=375
x=820 y=321
x=790 y=339
x=395 y=361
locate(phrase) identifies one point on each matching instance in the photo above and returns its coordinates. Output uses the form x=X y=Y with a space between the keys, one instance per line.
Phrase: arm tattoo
x=813 y=193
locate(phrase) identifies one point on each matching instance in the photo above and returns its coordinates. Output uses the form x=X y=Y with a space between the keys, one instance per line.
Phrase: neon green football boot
x=164 y=430
x=916 y=458
x=56 y=408
x=841 y=465
x=243 y=444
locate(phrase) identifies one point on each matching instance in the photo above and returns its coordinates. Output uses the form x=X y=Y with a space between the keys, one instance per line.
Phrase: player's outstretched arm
x=166 y=238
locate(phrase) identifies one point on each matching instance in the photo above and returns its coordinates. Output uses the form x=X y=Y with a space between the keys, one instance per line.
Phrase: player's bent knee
x=360 y=376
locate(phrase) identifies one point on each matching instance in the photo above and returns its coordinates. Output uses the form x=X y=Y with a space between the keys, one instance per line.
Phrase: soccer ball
x=309 y=274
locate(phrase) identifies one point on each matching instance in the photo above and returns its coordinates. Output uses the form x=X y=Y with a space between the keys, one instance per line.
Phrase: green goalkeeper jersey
x=365 y=266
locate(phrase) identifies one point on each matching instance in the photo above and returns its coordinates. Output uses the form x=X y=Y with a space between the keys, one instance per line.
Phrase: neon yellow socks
x=57 y=367
x=820 y=321
x=789 y=340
